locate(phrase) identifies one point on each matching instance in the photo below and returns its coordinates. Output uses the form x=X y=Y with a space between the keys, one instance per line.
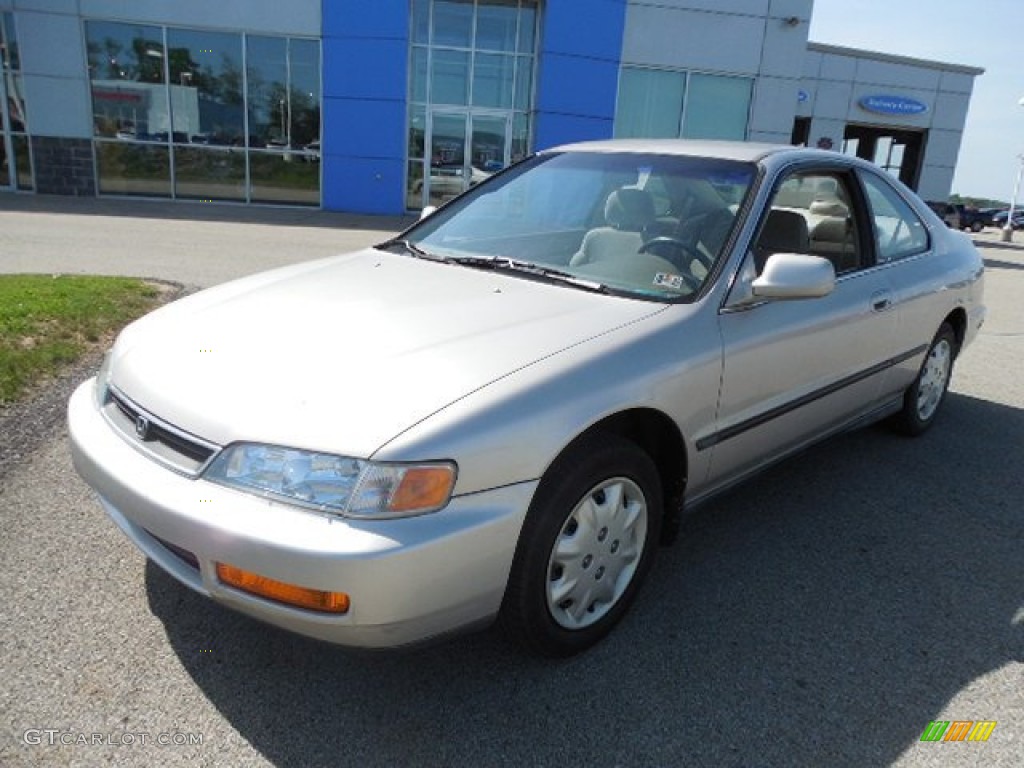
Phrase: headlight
x=344 y=486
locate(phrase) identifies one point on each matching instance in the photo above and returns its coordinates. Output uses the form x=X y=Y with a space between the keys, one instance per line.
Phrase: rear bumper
x=407 y=579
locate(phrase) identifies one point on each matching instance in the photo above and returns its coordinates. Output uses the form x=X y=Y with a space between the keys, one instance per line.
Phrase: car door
x=794 y=370
x=904 y=251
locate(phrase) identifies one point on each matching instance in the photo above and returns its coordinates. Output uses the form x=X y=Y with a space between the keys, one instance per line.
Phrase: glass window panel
x=417 y=132
x=899 y=232
x=421 y=21
x=650 y=103
x=209 y=174
x=524 y=83
x=487 y=147
x=492 y=80
x=267 y=73
x=447 y=158
x=22 y=162
x=449 y=82
x=133 y=169
x=15 y=103
x=5 y=166
x=206 y=86
x=126 y=69
x=496 y=25
x=414 y=185
x=419 y=75
x=304 y=56
x=882 y=147
x=284 y=177
x=528 y=26
x=717 y=107
x=453 y=23
x=520 y=138
x=9 y=55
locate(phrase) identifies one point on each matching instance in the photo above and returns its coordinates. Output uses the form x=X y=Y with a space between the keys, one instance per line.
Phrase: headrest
x=629 y=208
x=833 y=207
x=784 y=232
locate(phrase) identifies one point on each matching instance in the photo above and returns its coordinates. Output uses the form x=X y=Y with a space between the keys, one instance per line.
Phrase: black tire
x=924 y=398
x=976 y=226
x=603 y=475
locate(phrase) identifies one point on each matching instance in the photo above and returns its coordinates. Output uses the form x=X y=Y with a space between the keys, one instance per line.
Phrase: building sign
x=802 y=96
x=892 y=105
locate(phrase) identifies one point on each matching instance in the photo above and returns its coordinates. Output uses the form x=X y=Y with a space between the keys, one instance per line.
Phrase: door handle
x=881 y=301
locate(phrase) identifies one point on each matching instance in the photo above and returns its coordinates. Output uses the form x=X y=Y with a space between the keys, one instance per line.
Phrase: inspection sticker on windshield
x=669 y=281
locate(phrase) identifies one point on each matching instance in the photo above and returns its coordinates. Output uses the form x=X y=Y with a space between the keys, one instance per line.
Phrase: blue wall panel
x=365 y=63
x=366 y=69
x=363 y=185
x=578 y=71
x=377 y=128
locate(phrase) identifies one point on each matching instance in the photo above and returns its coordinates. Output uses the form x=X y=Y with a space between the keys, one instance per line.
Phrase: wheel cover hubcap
x=596 y=553
x=933 y=379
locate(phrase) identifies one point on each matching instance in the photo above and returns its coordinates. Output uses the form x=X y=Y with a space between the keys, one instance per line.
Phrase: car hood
x=344 y=354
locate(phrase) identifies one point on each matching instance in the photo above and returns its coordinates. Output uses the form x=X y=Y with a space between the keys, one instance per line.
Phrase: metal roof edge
x=893 y=58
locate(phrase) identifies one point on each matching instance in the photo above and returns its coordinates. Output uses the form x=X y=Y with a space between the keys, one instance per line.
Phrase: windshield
x=645 y=225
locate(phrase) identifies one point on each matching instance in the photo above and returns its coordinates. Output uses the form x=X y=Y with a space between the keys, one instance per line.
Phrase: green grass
x=48 y=322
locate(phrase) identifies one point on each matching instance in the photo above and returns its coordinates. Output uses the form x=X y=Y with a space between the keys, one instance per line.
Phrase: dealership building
x=386 y=106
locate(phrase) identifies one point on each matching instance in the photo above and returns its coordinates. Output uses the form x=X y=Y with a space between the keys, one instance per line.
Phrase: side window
x=811 y=212
x=899 y=232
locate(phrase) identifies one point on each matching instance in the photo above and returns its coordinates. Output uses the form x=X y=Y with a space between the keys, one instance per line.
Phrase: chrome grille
x=163 y=442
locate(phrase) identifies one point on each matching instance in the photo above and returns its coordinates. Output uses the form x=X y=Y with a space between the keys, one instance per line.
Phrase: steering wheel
x=676 y=251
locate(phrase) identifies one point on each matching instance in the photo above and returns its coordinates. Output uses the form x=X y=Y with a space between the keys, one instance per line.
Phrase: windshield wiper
x=506 y=264
x=411 y=248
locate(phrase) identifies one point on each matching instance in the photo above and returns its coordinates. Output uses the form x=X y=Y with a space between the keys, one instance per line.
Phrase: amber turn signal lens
x=279 y=591
x=423 y=488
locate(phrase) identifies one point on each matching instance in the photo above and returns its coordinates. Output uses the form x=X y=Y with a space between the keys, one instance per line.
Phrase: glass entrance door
x=465 y=148
x=446 y=176
x=490 y=148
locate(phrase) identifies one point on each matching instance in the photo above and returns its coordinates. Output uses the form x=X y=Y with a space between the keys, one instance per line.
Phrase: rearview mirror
x=795 y=276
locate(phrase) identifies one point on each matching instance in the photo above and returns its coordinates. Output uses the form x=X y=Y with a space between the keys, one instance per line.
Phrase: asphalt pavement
x=820 y=615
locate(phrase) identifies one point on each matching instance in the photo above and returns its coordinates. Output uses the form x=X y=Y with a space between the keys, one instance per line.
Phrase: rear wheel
x=923 y=398
x=587 y=543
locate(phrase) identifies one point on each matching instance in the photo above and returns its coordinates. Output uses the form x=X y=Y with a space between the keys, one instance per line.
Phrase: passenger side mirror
x=794 y=276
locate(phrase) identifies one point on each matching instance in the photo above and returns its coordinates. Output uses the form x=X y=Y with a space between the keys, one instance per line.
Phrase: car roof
x=742 y=151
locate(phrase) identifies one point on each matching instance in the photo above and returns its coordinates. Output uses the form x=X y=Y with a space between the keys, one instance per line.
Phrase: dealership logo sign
x=893 y=105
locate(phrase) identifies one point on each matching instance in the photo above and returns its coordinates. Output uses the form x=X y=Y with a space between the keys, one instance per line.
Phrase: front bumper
x=408 y=579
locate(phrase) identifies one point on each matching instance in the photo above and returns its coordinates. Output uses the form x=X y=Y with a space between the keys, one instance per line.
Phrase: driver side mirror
x=794 y=276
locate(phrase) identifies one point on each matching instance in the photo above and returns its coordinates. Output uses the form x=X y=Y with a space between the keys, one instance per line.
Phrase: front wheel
x=587 y=542
x=922 y=399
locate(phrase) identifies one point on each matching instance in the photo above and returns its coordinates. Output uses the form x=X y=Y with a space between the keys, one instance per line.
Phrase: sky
x=989 y=35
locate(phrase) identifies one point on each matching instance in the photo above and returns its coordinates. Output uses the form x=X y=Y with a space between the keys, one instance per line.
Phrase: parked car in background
x=959 y=216
x=988 y=213
x=505 y=410
x=999 y=219
x=971 y=218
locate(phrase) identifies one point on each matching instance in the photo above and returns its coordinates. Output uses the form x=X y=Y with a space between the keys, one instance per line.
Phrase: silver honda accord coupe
x=505 y=410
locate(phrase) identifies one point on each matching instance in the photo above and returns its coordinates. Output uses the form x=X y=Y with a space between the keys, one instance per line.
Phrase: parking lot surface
x=821 y=615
